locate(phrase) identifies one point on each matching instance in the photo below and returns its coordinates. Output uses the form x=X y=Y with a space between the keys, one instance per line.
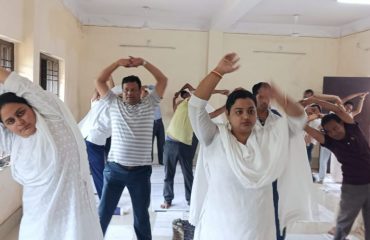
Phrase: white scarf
x=284 y=159
x=254 y=164
x=39 y=147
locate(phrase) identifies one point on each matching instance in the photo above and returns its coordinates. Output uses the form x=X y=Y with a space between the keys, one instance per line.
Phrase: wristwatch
x=144 y=63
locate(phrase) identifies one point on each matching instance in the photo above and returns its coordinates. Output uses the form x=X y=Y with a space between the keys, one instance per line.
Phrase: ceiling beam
x=230 y=13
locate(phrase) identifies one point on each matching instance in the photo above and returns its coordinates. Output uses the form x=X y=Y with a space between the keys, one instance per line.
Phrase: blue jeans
x=137 y=181
x=97 y=157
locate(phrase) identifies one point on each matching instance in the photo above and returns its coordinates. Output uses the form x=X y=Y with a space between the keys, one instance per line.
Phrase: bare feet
x=166 y=205
x=332 y=232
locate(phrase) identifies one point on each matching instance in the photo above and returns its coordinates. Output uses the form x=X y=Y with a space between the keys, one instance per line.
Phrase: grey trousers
x=174 y=152
x=354 y=198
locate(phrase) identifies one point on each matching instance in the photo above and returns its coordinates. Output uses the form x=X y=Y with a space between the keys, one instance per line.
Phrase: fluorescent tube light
x=355 y=1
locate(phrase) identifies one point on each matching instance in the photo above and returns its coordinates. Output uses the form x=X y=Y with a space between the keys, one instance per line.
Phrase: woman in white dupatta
x=49 y=160
x=242 y=162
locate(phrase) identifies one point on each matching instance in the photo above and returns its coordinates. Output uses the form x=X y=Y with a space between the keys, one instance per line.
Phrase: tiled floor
x=161 y=220
x=121 y=226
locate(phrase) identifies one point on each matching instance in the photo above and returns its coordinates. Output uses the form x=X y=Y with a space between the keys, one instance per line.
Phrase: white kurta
x=95 y=126
x=52 y=166
x=232 y=193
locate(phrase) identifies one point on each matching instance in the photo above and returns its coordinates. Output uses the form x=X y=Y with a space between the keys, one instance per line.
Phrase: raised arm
x=222 y=109
x=337 y=109
x=217 y=112
x=360 y=104
x=45 y=102
x=161 y=79
x=352 y=96
x=187 y=86
x=329 y=98
x=110 y=82
x=316 y=134
x=105 y=76
x=290 y=107
x=96 y=95
x=227 y=64
x=200 y=120
x=223 y=92
x=175 y=103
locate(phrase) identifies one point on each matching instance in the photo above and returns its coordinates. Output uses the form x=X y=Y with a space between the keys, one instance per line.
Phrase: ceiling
x=315 y=18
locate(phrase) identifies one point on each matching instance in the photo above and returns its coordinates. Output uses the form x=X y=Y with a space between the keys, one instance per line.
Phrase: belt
x=129 y=168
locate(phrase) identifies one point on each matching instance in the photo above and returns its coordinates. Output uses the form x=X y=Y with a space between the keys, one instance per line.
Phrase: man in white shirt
x=97 y=139
x=315 y=122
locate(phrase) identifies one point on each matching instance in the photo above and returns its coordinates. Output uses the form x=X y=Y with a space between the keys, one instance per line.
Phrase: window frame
x=9 y=46
x=50 y=73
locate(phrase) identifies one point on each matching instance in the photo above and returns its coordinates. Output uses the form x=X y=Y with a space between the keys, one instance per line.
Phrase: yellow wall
x=44 y=26
x=354 y=55
x=186 y=63
x=11 y=194
x=11 y=20
x=47 y=26
x=197 y=53
x=59 y=35
x=39 y=26
x=290 y=72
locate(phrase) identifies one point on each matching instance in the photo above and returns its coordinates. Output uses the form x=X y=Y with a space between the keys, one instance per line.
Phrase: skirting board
x=13 y=221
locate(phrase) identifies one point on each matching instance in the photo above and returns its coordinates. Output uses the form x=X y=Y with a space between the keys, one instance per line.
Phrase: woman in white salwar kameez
x=240 y=164
x=48 y=158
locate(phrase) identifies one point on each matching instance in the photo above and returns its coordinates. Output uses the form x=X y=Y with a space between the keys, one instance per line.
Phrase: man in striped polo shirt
x=129 y=159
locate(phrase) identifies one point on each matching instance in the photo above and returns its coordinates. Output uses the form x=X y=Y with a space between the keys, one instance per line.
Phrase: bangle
x=217 y=73
x=144 y=63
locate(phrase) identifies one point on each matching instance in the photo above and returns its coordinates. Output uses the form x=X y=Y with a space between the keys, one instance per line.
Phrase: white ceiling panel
x=318 y=18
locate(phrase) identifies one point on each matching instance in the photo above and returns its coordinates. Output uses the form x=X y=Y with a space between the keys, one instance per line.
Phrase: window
x=4 y=160
x=7 y=55
x=49 y=74
x=7 y=62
